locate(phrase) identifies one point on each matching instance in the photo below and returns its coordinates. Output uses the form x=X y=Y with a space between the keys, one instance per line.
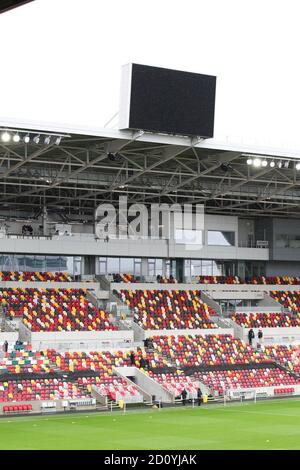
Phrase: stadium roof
x=6 y=5
x=90 y=166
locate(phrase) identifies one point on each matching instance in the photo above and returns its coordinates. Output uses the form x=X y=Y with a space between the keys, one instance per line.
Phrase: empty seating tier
x=220 y=380
x=34 y=276
x=280 y=280
x=179 y=351
x=54 y=310
x=38 y=389
x=265 y=320
x=162 y=310
x=286 y=354
x=290 y=300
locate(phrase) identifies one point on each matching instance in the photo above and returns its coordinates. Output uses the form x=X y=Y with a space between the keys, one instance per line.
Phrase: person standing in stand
x=251 y=336
x=260 y=338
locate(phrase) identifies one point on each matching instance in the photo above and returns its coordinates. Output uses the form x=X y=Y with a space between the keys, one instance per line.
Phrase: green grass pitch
x=264 y=425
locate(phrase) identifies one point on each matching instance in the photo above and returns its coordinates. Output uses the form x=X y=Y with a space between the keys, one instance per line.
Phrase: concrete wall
x=191 y=332
x=79 y=340
x=83 y=246
x=10 y=337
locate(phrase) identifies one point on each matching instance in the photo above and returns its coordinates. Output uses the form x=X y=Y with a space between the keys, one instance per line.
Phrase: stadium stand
x=286 y=354
x=279 y=280
x=35 y=276
x=290 y=300
x=164 y=310
x=54 y=309
x=265 y=320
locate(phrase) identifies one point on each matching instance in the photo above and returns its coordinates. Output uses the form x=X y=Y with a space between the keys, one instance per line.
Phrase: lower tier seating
x=245 y=378
x=38 y=389
x=288 y=355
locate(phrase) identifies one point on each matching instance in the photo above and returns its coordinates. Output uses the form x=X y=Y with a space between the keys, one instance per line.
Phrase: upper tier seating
x=124 y=278
x=166 y=280
x=265 y=320
x=54 y=309
x=162 y=310
x=290 y=300
x=280 y=280
x=35 y=276
x=198 y=350
x=288 y=355
x=219 y=280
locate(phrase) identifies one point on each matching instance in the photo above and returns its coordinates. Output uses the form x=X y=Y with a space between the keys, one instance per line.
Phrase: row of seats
x=281 y=280
x=265 y=320
x=284 y=391
x=54 y=309
x=124 y=278
x=35 y=276
x=163 y=310
x=17 y=408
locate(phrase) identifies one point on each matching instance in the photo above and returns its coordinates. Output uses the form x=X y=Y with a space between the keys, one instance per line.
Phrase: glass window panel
x=76 y=266
x=126 y=265
x=39 y=263
x=218 y=238
x=29 y=263
x=113 y=265
x=206 y=267
x=196 y=267
x=102 y=266
x=151 y=266
x=158 y=266
x=20 y=262
x=217 y=269
x=137 y=266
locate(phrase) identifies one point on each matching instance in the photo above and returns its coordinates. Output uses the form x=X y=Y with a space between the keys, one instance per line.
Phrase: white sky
x=61 y=60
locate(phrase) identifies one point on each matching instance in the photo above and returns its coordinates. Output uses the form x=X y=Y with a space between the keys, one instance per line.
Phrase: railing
x=253 y=244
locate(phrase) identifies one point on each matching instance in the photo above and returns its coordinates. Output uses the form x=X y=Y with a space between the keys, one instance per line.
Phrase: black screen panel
x=170 y=101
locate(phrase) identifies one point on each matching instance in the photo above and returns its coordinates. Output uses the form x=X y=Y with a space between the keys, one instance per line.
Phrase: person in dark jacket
x=260 y=338
x=199 y=396
x=5 y=346
x=184 y=395
x=251 y=336
x=132 y=358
